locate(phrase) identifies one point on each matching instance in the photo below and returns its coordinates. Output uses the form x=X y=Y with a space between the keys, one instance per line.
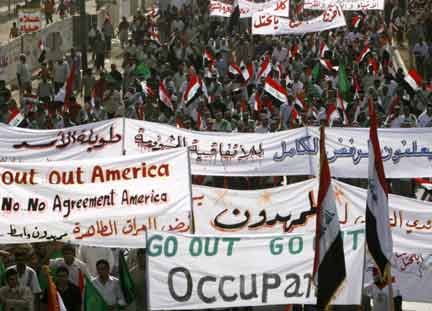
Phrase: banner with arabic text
x=29 y=20
x=407 y=153
x=201 y=272
x=346 y=5
x=88 y=141
x=291 y=209
x=248 y=8
x=109 y=202
x=267 y=24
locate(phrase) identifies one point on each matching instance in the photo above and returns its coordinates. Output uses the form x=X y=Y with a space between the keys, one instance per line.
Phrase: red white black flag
x=164 y=96
x=329 y=263
x=378 y=234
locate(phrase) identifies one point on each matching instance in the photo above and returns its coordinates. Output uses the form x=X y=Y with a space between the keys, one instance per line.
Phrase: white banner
x=346 y=5
x=291 y=209
x=406 y=152
x=248 y=8
x=94 y=140
x=197 y=272
x=105 y=202
x=29 y=20
x=268 y=24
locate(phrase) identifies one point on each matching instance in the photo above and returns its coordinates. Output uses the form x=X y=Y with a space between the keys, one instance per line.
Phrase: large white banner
x=109 y=202
x=202 y=272
x=346 y=5
x=94 y=140
x=248 y=8
x=268 y=24
x=291 y=209
x=407 y=153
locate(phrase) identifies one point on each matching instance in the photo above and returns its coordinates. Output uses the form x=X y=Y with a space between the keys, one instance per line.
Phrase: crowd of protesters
x=168 y=46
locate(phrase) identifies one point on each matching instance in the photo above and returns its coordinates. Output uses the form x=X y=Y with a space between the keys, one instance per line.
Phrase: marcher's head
x=21 y=257
x=12 y=278
x=62 y=275
x=103 y=268
x=68 y=252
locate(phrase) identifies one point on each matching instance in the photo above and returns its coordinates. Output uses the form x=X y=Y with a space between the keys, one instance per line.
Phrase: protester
x=108 y=286
x=14 y=296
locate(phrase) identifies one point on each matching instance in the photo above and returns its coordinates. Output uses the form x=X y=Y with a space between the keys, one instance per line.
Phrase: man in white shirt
x=425 y=118
x=91 y=255
x=77 y=269
x=108 y=286
x=23 y=74
x=27 y=276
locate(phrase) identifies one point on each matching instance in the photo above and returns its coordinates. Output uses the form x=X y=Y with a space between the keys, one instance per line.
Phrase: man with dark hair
x=76 y=268
x=70 y=294
x=13 y=296
x=26 y=276
x=108 y=286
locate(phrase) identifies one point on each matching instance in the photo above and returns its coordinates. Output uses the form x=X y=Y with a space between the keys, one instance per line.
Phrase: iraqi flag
x=363 y=54
x=323 y=49
x=413 y=79
x=295 y=117
x=332 y=114
x=247 y=71
x=329 y=271
x=234 y=70
x=300 y=103
x=328 y=65
x=192 y=88
x=15 y=117
x=276 y=90
x=164 y=96
x=154 y=35
x=147 y=90
x=343 y=106
x=378 y=234
x=356 y=21
x=265 y=68
x=207 y=56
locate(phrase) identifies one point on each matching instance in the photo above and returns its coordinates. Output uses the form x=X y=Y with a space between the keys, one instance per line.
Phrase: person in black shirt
x=69 y=293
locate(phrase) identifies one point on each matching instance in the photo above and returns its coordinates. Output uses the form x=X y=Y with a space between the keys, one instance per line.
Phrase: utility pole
x=83 y=33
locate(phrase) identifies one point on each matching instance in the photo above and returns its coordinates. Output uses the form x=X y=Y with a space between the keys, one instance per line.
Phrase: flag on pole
x=328 y=65
x=413 y=79
x=69 y=85
x=235 y=70
x=343 y=83
x=378 y=234
x=265 y=68
x=147 y=90
x=164 y=96
x=323 y=49
x=247 y=71
x=275 y=89
x=15 y=117
x=329 y=263
x=54 y=300
x=192 y=88
x=356 y=21
x=363 y=54
x=209 y=58
x=300 y=103
x=126 y=283
x=93 y=300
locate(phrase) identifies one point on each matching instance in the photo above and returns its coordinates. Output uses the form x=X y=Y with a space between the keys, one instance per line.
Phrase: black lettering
x=270 y=281
x=200 y=289
x=253 y=293
x=189 y=283
x=295 y=282
x=222 y=293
